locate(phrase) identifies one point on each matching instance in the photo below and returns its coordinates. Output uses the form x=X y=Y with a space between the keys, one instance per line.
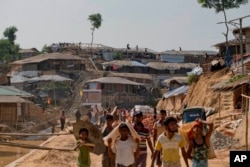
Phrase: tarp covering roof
x=12 y=91
x=50 y=78
x=113 y=80
x=18 y=79
x=231 y=85
x=176 y=92
x=48 y=56
x=170 y=66
x=131 y=75
x=189 y=52
x=122 y=63
x=180 y=80
x=12 y=99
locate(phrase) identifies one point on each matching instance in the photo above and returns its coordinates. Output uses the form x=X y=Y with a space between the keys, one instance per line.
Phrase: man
x=158 y=129
x=138 y=117
x=62 y=121
x=106 y=160
x=78 y=115
x=103 y=118
x=169 y=143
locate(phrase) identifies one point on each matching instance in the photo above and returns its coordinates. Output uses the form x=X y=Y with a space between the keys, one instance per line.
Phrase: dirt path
x=55 y=158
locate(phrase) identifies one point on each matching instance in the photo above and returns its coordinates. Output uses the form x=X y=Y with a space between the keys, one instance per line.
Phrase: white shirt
x=124 y=151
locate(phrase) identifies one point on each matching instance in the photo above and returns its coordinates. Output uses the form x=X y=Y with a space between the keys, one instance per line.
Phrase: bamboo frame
x=246 y=114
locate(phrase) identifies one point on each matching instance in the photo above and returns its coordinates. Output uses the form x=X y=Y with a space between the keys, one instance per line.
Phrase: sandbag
x=184 y=129
x=95 y=135
x=114 y=134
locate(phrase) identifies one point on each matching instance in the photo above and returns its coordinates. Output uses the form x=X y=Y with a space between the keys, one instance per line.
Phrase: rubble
x=220 y=141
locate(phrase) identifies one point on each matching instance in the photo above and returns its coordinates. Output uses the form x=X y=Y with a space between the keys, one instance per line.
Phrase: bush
x=192 y=79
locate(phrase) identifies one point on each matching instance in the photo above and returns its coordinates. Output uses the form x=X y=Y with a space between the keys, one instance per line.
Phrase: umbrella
x=95 y=135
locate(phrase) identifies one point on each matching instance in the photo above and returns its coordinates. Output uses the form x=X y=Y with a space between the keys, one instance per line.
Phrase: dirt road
x=43 y=158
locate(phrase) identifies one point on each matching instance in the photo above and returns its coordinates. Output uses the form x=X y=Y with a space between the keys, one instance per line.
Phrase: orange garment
x=190 y=134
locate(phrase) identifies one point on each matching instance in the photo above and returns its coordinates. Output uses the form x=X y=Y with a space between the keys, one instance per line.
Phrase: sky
x=155 y=24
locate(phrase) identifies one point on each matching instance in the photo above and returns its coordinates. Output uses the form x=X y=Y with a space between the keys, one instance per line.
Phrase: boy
x=199 y=143
x=169 y=143
x=83 y=159
x=106 y=160
x=158 y=129
x=125 y=149
x=145 y=137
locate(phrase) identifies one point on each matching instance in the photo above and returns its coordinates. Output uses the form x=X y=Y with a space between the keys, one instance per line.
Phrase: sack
x=183 y=131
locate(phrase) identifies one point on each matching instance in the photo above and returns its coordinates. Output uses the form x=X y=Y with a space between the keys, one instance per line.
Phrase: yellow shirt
x=160 y=128
x=170 y=147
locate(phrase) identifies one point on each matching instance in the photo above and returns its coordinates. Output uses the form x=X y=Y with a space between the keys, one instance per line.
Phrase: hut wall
x=247 y=67
x=248 y=41
x=8 y=113
x=29 y=67
x=227 y=101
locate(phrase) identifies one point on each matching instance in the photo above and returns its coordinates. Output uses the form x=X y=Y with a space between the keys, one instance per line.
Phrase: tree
x=8 y=49
x=96 y=22
x=222 y=6
x=44 y=49
x=10 y=33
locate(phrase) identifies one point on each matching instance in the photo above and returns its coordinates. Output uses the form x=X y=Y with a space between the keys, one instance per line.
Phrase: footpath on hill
x=44 y=158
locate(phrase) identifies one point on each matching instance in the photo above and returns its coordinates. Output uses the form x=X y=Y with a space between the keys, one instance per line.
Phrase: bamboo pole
x=11 y=144
x=246 y=115
x=30 y=134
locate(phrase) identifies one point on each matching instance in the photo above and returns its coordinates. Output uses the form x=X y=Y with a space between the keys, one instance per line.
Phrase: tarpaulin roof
x=114 y=80
x=177 y=91
x=50 y=78
x=12 y=91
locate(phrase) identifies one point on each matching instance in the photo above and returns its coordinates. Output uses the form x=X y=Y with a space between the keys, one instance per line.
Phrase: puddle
x=9 y=154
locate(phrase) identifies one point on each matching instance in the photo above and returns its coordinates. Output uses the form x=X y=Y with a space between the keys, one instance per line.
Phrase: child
x=106 y=160
x=169 y=143
x=83 y=159
x=199 y=143
x=145 y=138
x=158 y=129
x=125 y=149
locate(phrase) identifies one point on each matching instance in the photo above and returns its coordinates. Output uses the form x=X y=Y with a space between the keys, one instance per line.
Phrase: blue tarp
x=181 y=90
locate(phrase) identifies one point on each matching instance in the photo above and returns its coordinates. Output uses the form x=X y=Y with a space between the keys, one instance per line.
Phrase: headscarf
x=190 y=134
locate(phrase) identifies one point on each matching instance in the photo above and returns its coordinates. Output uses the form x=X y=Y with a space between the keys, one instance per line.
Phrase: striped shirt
x=144 y=134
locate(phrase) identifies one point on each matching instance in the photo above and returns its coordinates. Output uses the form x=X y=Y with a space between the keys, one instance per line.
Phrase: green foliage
x=221 y=5
x=235 y=78
x=44 y=49
x=8 y=49
x=55 y=85
x=96 y=21
x=117 y=56
x=10 y=33
x=192 y=79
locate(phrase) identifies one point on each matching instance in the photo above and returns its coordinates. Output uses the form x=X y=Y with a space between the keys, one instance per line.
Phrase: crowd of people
x=130 y=147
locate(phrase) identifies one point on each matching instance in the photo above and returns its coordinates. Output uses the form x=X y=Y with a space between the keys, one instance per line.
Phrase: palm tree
x=96 y=22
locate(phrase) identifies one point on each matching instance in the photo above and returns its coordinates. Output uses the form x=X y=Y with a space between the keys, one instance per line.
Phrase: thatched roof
x=170 y=66
x=114 y=80
x=131 y=75
x=12 y=99
x=180 y=80
x=228 y=85
x=49 y=56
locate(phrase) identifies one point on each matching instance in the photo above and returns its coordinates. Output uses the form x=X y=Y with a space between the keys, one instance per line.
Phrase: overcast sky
x=156 y=24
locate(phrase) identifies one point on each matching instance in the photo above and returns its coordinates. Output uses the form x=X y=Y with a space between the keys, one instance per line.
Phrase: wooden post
x=219 y=105
x=246 y=115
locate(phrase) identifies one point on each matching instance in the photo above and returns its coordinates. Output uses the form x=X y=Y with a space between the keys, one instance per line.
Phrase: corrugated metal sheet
x=176 y=92
x=12 y=91
x=18 y=79
x=49 y=56
x=12 y=99
x=114 y=80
